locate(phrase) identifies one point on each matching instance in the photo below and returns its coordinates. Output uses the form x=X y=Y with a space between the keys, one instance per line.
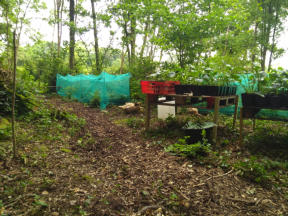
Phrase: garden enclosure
x=104 y=89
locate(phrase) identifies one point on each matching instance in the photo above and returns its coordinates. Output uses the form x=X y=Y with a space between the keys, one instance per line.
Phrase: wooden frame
x=179 y=98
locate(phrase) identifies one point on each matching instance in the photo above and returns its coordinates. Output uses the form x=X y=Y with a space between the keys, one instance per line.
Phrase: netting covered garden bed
x=104 y=89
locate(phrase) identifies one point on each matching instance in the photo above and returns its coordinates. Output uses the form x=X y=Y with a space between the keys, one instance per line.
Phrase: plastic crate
x=158 y=88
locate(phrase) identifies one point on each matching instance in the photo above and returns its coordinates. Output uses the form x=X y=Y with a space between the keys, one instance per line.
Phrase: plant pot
x=196 y=90
x=260 y=101
x=226 y=91
x=221 y=91
x=233 y=90
x=182 y=89
x=194 y=131
x=284 y=100
x=274 y=100
x=248 y=99
x=179 y=89
x=210 y=90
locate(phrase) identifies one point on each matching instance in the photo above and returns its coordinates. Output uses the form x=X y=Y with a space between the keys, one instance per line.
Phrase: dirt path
x=120 y=173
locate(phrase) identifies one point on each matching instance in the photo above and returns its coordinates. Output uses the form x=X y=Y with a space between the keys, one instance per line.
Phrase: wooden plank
x=235 y=110
x=216 y=118
x=147 y=111
x=254 y=124
x=241 y=126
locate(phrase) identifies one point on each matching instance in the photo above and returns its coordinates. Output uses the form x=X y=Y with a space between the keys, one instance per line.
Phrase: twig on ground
x=17 y=199
x=149 y=207
x=212 y=177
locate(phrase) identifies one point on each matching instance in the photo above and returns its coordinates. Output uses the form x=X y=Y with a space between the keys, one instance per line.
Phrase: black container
x=227 y=91
x=261 y=101
x=274 y=101
x=196 y=90
x=221 y=91
x=179 y=89
x=284 y=100
x=195 y=134
x=210 y=90
x=248 y=99
x=234 y=90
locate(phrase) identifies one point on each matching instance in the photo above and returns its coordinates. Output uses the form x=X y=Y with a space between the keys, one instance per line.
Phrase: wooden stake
x=235 y=111
x=147 y=112
x=241 y=126
x=216 y=117
x=254 y=123
x=14 y=95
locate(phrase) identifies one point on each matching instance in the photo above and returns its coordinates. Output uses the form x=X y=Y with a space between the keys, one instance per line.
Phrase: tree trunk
x=273 y=40
x=14 y=94
x=145 y=37
x=59 y=4
x=122 y=60
x=126 y=35
x=255 y=40
x=96 y=47
x=266 y=34
x=9 y=60
x=133 y=39
x=72 y=35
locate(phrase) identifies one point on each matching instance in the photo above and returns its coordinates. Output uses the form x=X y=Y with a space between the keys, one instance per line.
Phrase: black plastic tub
x=182 y=89
x=284 y=99
x=196 y=90
x=261 y=101
x=210 y=90
x=248 y=99
x=274 y=101
x=194 y=131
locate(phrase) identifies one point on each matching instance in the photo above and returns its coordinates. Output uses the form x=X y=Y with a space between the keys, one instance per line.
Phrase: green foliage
x=269 y=140
x=23 y=100
x=135 y=122
x=253 y=170
x=276 y=81
x=5 y=129
x=197 y=150
x=170 y=127
x=95 y=102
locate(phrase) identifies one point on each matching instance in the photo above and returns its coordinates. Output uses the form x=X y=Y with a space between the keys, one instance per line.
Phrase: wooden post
x=253 y=123
x=147 y=111
x=241 y=126
x=216 y=117
x=235 y=111
x=14 y=94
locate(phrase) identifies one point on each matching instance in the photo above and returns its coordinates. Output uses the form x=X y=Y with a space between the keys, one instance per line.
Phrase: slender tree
x=95 y=30
x=58 y=13
x=14 y=94
x=72 y=29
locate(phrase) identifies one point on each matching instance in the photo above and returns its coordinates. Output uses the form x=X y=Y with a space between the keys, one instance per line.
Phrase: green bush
x=23 y=102
x=135 y=122
x=196 y=150
x=95 y=102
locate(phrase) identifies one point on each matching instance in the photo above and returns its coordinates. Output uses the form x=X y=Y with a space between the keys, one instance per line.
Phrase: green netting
x=105 y=88
x=245 y=83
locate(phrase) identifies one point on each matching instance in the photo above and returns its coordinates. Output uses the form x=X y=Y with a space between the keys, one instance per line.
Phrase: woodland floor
x=119 y=171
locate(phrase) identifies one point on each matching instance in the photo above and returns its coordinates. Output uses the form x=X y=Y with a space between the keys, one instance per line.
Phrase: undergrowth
x=38 y=132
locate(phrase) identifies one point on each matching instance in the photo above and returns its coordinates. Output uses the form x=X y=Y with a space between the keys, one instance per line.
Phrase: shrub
x=95 y=102
x=196 y=150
